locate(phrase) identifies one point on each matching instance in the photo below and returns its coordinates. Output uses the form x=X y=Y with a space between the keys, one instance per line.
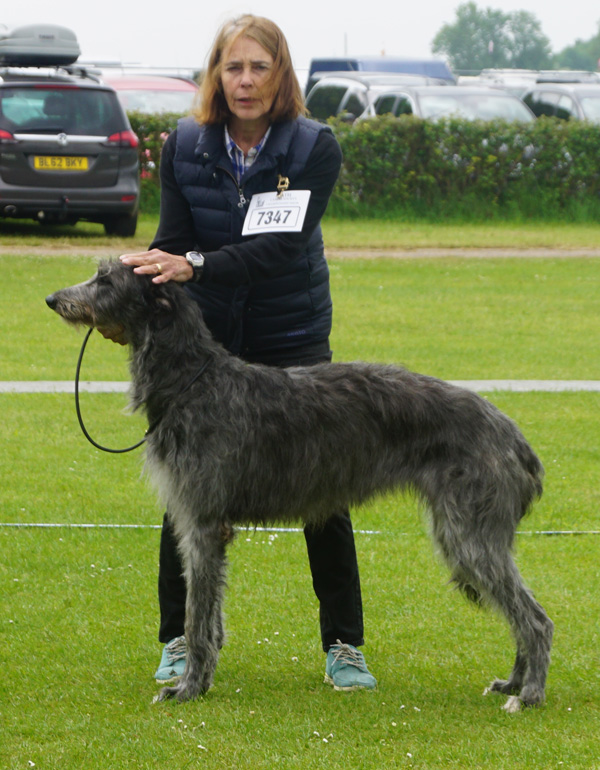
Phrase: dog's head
x=116 y=301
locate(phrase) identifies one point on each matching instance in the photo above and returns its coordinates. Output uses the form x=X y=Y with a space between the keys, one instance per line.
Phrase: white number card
x=272 y=212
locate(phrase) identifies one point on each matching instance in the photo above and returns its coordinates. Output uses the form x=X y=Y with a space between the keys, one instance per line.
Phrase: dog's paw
x=505 y=686
x=179 y=692
x=513 y=705
x=167 y=693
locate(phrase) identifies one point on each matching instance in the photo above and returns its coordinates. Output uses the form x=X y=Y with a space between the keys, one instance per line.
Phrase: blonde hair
x=282 y=86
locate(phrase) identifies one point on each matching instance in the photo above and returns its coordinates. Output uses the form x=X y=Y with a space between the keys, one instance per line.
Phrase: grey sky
x=151 y=36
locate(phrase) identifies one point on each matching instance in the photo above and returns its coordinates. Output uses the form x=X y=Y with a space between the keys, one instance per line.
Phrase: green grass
x=78 y=611
x=471 y=319
x=58 y=239
x=338 y=233
x=78 y=622
x=357 y=234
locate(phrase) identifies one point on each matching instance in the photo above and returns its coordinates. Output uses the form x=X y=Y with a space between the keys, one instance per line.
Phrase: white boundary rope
x=57 y=525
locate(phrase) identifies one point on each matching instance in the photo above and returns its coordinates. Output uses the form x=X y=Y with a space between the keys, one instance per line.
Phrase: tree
x=529 y=48
x=582 y=55
x=491 y=38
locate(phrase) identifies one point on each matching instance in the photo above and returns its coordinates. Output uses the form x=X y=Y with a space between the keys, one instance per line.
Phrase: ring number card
x=273 y=212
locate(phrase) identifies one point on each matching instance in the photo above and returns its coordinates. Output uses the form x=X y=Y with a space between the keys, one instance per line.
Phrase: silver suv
x=67 y=151
x=348 y=94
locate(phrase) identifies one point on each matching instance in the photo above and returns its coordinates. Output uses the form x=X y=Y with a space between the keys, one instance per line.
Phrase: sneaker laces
x=176 y=649
x=349 y=655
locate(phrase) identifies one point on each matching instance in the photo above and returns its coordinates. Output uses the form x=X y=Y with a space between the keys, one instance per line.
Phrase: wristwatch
x=196 y=260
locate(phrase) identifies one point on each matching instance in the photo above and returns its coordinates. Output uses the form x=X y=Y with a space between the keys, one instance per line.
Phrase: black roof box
x=38 y=45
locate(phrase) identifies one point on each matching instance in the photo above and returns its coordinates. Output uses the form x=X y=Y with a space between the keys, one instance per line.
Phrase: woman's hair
x=282 y=86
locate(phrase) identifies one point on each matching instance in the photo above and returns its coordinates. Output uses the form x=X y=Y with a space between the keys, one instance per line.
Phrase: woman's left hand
x=160 y=264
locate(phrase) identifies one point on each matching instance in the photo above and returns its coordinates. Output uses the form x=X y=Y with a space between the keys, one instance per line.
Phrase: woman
x=266 y=296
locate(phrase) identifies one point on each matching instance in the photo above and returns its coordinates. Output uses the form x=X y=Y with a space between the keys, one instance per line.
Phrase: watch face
x=195 y=259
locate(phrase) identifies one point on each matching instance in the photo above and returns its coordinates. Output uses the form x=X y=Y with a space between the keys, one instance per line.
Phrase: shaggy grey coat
x=235 y=444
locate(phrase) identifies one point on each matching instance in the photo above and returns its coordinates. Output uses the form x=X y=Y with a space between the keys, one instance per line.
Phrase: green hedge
x=412 y=168
x=151 y=130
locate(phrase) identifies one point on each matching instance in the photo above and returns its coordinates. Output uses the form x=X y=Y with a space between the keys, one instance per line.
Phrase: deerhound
x=232 y=443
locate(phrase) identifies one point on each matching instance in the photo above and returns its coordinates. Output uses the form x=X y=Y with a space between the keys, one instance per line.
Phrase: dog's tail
x=532 y=485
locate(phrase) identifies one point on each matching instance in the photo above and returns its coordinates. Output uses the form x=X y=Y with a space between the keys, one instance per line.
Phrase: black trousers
x=331 y=556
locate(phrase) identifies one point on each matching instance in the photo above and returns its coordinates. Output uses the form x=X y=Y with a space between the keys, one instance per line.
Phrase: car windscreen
x=591 y=107
x=59 y=109
x=473 y=107
x=148 y=101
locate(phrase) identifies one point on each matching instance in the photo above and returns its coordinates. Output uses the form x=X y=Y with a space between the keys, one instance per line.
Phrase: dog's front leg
x=205 y=564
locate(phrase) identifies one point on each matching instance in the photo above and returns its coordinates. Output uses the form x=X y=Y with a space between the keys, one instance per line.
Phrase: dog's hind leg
x=533 y=632
x=495 y=577
x=203 y=553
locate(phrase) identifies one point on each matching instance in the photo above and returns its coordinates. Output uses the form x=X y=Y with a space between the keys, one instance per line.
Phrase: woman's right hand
x=160 y=264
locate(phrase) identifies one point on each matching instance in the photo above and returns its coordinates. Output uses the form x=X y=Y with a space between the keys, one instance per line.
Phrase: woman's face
x=246 y=68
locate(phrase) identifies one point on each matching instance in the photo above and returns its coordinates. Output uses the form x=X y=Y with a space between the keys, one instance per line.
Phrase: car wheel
x=123 y=226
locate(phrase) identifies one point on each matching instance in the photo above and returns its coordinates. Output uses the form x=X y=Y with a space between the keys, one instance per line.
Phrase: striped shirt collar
x=241 y=162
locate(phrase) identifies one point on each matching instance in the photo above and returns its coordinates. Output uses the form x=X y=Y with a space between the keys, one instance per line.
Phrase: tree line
x=480 y=38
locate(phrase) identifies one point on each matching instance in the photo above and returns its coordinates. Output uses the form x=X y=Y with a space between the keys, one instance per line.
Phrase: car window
x=404 y=107
x=324 y=102
x=542 y=103
x=354 y=105
x=565 y=108
x=591 y=107
x=437 y=106
x=384 y=104
x=473 y=107
x=151 y=102
x=53 y=110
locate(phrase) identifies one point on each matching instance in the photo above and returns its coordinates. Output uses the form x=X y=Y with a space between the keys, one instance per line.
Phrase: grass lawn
x=338 y=234
x=78 y=612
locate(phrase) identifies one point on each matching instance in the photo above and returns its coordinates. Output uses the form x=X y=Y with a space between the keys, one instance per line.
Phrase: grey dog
x=237 y=444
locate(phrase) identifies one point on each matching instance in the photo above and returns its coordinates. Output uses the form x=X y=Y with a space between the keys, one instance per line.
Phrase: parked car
x=67 y=151
x=433 y=103
x=153 y=93
x=349 y=94
x=573 y=101
x=432 y=68
x=518 y=81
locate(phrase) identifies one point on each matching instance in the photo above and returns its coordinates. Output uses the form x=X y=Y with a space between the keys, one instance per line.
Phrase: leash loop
x=148 y=430
x=78 y=409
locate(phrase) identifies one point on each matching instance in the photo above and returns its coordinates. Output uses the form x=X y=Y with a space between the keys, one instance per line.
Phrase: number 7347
x=277 y=217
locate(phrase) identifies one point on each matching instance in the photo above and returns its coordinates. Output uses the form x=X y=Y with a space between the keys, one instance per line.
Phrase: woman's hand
x=160 y=264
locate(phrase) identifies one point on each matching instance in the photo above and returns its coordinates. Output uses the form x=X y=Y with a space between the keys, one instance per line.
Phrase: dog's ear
x=163 y=303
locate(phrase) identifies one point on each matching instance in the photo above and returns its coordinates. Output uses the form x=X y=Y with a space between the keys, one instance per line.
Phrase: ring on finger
x=158 y=267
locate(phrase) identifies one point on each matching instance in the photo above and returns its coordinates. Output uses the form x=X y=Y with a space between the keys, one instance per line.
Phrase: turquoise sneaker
x=172 y=662
x=346 y=669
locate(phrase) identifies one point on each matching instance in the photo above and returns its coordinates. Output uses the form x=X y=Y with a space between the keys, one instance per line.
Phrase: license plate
x=60 y=163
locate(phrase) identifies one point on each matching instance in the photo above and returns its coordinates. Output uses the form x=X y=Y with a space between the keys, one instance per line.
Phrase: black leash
x=78 y=410
x=150 y=428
